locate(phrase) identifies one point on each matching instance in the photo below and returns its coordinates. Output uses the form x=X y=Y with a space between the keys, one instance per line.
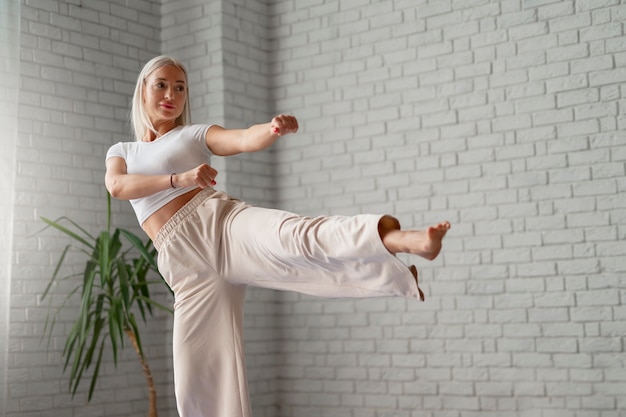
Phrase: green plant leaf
x=51 y=319
x=102 y=255
x=78 y=364
x=75 y=236
x=108 y=211
x=121 y=322
x=144 y=250
x=140 y=288
x=98 y=323
x=56 y=271
x=113 y=333
x=157 y=305
x=86 y=300
x=96 y=372
x=122 y=270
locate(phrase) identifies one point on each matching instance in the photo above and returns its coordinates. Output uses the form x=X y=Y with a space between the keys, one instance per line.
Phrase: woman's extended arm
x=224 y=142
x=126 y=186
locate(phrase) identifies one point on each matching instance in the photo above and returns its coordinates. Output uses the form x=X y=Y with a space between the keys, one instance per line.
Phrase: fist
x=283 y=124
x=202 y=176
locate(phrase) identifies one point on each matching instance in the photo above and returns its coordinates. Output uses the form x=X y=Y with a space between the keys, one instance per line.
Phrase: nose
x=169 y=92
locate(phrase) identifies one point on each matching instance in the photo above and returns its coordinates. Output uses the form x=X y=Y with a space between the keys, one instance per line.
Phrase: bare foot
x=424 y=243
x=430 y=247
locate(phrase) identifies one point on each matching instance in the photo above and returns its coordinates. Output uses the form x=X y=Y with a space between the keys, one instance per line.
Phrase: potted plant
x=114 y=286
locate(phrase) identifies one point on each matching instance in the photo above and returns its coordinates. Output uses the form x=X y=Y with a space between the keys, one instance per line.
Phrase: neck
x=161 y=129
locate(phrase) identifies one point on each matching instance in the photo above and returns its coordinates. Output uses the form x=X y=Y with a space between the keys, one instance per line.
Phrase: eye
x=159 y=85
x=180 y=88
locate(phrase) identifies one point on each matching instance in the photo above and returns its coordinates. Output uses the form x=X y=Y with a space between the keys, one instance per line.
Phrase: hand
x=202 y=176
x=283 y=124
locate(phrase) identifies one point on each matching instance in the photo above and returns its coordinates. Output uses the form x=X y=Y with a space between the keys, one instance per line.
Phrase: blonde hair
x=138 y=118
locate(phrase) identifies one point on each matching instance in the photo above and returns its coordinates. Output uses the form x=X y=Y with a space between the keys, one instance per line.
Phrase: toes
x=439 y=230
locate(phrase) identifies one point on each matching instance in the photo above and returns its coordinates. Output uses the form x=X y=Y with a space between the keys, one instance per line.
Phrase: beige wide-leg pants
x=215 y=246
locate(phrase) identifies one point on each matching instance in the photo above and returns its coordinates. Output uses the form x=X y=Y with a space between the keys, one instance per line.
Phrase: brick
x=598 y=297
x=599 y=78
x=572 y=82
x=543 y=315
x=600 y=345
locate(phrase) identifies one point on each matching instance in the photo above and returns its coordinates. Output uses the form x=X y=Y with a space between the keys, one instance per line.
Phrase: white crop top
x=179 y=150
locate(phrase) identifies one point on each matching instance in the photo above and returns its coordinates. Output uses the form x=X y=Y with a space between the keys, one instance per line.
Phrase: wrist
x=172 y=180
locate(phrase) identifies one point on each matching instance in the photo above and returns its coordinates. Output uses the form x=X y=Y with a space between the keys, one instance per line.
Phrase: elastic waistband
x=174 y=222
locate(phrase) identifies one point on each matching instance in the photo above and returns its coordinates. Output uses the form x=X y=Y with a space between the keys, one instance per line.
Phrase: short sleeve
x=116 y=150
x=198 y=132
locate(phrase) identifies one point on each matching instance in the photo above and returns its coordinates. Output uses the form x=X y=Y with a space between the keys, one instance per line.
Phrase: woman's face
x=165 y=94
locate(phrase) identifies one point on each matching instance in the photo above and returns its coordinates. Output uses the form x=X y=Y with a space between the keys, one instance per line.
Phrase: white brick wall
x=505 y=117
x=247 y=98
x=78 y=61
x=9 y=76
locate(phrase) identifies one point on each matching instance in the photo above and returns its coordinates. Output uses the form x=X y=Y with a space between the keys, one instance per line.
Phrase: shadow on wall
x=9 y=82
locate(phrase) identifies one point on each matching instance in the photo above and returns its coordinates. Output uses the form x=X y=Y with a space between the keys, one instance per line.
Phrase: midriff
x=155 y=222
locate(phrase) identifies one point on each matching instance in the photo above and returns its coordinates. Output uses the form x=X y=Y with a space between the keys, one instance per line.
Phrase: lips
x=167 y=106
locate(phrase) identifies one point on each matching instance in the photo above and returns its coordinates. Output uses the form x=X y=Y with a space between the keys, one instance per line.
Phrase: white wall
x=78 y=65
x=505 y=117
x=9 y=81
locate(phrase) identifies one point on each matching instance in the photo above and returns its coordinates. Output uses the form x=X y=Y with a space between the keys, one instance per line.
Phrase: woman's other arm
x=224 y=142
x=126 y=186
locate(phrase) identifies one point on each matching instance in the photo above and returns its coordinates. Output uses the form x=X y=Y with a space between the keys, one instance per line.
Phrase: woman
x=211 y=246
